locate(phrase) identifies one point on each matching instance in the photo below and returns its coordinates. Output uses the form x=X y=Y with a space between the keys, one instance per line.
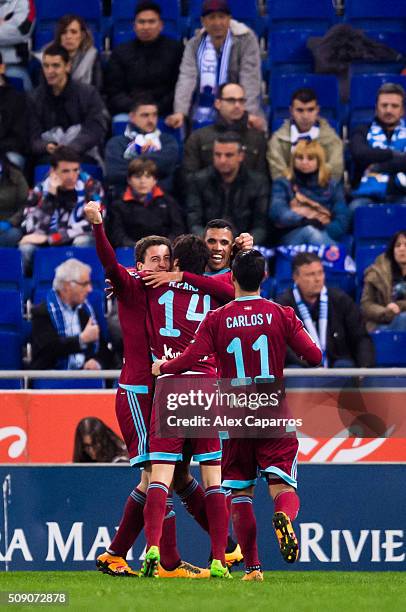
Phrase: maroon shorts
x=245 y=459
x=133 y=411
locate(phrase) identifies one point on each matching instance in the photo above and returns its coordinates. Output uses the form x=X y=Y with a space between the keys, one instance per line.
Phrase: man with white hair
x=65 y=332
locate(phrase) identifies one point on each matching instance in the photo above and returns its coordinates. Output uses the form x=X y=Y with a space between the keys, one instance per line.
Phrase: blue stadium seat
x=318 y=14
x=72 y=383
x=388 y=15
x=11 y=310
x=390 y=348
x=288 y=52
x=11 y=344
x=125 y=256
x=122 y=13
x=325 y=86
x=48 y=13
x=363 y=95
x=48 y=258
x=11 y=269
x=41 y=171
x=365 y=255
x=241 y=10
x=375 y=223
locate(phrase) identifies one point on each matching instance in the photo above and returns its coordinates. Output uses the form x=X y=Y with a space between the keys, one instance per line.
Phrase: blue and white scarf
x=213 y=71
x=138 y=140
x=374 y=184
x=58 y=314
x=311 y=134
x=319 y=337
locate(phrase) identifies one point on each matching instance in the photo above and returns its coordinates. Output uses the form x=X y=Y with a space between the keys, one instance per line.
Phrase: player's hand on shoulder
x=156 y=279
x=244 y=241
x=92 y=212
x=156 y=367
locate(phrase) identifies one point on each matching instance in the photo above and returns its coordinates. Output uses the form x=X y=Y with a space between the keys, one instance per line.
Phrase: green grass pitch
x=284 y=591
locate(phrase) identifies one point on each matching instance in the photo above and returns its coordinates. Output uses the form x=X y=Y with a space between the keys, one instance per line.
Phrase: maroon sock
x=192 y=497
x=218 y=521
x=287 y=502
x=154 y=513
x=245 y=527
x=170 y=557
x=131 y=524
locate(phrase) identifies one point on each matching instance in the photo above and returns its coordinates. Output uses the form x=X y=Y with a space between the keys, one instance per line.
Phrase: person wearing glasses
x=65 y=331
x=232 y=116
x=54 y=213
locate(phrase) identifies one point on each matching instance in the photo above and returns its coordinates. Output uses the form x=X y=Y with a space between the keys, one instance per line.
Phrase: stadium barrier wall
x=62 y=517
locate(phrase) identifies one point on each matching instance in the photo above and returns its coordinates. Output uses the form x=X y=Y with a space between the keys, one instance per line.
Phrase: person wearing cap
x=223 y=51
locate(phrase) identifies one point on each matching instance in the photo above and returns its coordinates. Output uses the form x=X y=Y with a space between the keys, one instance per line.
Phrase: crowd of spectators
x=177 y=131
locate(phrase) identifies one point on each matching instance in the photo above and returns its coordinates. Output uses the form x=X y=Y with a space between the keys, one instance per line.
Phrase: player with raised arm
x=249 y=336
x=134 y=399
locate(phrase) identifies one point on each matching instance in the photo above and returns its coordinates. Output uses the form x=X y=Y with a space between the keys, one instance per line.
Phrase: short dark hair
x=145 y=5
x=142 y=99
x=219 y=224
x=143 y=244
x=304 y=95
x=229 y=138
x=55 y=49
x=140 y=165
x=303 y=259
x=66 y=154
x=223 y=85
x=249 y=269
x=191 y=252
x=391 y=88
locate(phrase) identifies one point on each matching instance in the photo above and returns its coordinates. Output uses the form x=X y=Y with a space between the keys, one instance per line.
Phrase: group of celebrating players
x=173 y=311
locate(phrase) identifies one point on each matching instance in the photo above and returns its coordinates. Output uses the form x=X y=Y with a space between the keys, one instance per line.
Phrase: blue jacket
x=331 y=197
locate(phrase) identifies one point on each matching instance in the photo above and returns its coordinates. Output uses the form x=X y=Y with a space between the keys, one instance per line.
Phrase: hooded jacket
x=244 y=68
x=377 y=293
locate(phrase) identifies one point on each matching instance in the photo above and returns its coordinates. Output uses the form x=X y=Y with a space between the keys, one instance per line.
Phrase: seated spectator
x=97 y=443
x=230 y=105
x=144 y=208
x=304 y=124
x=13 y=120
x=16 y=25
x=73 y=34
x=65 y=332
x=307 y=204
x=383 y=301
x=330 y=316
x=378 y=151
x=13 y=198
x=224 y=51
x=141 y=138
x=65 y=112
x=228 y=190
x=54 y=214
x=147 y=65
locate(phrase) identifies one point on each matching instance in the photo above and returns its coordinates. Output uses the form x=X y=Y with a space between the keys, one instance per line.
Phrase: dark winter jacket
x=244 y=204
x=13 y=120
x=13 y=194
x=386 y=161
x=130 y=219
x=136 y=67
x=347 y=337
x=77 y=104
x=331 y=197
x=48 y=347
x=198 y=153
x=165 y=159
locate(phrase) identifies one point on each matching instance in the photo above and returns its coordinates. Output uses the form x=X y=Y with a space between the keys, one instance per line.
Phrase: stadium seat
x=122 y=13
x=41 y=171
x=48 y=13
x=11 y=310
x=388 y=15
x=376 y=223
x=390 y=348
x=288 y=52
x=11 y=344
x=317 y=14
x=365 y=255
x=48 y=258
x=11 y=269
x=125 y=256
x=283 y=86
x=363 y=95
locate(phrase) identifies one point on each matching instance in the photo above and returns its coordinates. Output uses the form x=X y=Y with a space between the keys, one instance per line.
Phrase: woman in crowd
x=144 y=208
x=383 y=301
x=97 y=443
x=308 y=205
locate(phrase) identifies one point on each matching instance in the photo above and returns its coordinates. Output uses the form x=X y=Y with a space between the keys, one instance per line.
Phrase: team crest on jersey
x=247 y=307
x=133 y=272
